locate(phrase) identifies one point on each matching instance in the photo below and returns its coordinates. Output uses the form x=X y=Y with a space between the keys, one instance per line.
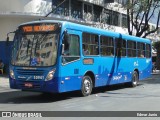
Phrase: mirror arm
x=8 y=35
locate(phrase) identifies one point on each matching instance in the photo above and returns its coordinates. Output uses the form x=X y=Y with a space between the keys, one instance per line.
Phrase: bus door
x=70 y=61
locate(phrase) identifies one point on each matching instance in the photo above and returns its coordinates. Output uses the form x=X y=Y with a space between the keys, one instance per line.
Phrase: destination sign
x=39 y=28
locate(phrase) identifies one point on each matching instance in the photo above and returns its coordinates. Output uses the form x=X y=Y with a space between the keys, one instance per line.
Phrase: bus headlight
x=12 y=74
x=50 y=75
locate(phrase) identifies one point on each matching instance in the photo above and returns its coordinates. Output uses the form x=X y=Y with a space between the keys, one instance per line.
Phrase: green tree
x=157 y=46
x=139 y=13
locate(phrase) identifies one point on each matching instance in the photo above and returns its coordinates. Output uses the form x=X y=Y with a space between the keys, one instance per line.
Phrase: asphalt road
x=145 y=97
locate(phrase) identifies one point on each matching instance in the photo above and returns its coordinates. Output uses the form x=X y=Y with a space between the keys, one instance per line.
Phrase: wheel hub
x=87 y=85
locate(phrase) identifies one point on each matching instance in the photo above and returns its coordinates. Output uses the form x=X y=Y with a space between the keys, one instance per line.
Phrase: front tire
x=87 y=86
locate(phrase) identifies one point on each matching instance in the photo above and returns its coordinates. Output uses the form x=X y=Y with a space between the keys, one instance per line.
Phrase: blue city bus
x=59 y=56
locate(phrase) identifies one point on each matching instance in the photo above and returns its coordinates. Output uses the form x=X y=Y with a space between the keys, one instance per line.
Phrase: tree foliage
x=139 y=13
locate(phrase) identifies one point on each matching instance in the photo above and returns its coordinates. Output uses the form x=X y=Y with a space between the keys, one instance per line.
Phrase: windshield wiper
x=28 y=46
x=20 y=46
x=40 y=41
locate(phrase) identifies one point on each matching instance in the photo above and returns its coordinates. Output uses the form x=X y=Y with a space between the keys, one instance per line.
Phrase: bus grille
x=30 y=72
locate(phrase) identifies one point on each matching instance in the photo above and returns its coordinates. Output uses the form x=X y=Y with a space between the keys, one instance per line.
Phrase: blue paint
x=106 y=70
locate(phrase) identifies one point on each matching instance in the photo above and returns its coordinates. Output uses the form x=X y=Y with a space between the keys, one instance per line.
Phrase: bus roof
x=134 y=38
x=84 y=28
x=77 y=26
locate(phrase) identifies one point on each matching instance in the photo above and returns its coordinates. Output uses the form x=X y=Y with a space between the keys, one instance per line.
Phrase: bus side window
x=131 y=48
x=141 y=49
x=121 y=47
x=118 y=47
x=71 y=49
x=85 y=50
x=106 y=46
x=90 y=44
x=148 y=51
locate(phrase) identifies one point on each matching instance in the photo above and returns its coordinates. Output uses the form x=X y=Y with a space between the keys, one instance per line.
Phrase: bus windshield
x=35 y=48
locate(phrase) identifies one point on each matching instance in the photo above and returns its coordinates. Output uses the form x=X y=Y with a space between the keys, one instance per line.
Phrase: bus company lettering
x=118 y=77
x=21 y=77
x=136 y=64
x=38 y=77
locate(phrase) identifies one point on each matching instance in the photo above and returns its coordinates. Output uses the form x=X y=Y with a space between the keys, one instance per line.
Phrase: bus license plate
x=29 y=85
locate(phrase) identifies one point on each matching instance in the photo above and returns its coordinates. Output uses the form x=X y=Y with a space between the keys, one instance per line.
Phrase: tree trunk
x=157 y=46
x=158 y=59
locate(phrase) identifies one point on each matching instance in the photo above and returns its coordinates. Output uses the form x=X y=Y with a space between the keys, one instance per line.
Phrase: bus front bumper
x=38 y=86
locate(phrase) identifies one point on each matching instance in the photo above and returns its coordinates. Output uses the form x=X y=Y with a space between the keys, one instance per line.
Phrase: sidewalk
x=4 y=80
x=156 y=72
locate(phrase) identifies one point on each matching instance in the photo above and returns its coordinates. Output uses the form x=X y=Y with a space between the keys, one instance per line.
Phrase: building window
x=63 y=9
x=76 y=9
x=88 y=12
x=108 y=1
x=115 y=18
x=111 y=17
x=123 y=2
x=124 y=20
x=106 y=16
x=97 y=13
x=90 y=44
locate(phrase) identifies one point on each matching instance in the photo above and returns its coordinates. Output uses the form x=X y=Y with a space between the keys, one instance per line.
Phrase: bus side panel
x=104 y=68
x=108 y=71
x=122 y=71
x=71 y=77
x=145 y=68
x=72 y=73
x=126 y=66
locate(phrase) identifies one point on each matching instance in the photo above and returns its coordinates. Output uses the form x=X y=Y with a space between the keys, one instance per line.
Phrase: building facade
x=105 y=14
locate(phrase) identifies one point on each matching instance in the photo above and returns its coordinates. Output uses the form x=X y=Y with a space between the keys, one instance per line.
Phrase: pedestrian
x=1 y=66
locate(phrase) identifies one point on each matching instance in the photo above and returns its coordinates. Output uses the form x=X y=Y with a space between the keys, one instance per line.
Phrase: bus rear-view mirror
x=7 y=40
x=65 y=44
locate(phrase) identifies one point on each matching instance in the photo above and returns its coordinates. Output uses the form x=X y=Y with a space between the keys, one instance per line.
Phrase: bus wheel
x=135 y=79
x=87 y=85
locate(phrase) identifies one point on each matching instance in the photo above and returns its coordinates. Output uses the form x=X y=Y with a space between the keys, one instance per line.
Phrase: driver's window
x=71 y=49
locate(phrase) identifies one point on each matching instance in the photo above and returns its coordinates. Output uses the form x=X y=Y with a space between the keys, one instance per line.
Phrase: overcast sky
x=155 y=16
